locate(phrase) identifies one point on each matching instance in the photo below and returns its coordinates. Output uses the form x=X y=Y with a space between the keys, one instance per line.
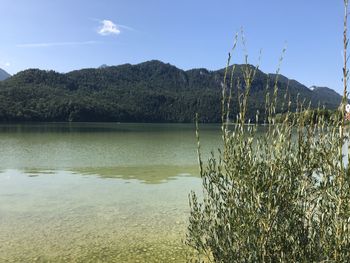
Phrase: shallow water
x=97 y=192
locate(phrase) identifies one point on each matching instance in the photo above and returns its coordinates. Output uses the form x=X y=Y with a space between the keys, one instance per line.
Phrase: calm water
x=97 y=192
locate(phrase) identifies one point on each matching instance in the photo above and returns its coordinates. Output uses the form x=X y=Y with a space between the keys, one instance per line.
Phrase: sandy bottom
x=68 y=217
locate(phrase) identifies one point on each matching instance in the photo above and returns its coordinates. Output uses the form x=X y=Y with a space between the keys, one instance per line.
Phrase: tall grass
x=278 y=196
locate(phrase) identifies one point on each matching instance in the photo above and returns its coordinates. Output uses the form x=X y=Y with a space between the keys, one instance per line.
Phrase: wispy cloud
x=108 y=28
x=126 y=27
x=55 y=44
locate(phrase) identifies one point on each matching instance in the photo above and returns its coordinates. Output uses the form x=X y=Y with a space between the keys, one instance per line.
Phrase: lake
x=98 y=192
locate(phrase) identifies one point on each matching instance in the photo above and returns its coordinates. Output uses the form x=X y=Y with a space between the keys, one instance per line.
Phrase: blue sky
x=64 y=35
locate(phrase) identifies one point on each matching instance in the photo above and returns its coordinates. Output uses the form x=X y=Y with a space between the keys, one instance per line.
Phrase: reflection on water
x=155 y=174
x=65 y=146
x=108 y=193
x=146 y=174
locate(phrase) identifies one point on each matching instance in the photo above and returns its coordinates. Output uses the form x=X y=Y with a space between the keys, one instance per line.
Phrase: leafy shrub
x=278 y=196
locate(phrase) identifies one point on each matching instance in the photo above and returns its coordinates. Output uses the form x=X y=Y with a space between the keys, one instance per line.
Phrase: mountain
x=327 y=95
x=4 y=75
x=151 y=91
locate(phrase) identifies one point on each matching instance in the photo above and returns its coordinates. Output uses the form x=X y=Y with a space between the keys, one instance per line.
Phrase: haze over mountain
x=152 y=91
x=3 y=74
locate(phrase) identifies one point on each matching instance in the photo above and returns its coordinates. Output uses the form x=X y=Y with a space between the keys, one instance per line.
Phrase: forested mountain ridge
x=3 y=74
x=147 y=92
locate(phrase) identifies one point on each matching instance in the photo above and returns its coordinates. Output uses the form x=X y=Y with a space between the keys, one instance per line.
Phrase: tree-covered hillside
x=4 y=75
x=148 y=92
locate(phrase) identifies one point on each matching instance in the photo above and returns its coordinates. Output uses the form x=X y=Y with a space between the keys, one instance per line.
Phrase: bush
x=278 y=196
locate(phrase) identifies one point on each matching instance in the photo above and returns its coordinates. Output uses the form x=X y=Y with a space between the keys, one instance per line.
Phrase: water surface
x=90 y=192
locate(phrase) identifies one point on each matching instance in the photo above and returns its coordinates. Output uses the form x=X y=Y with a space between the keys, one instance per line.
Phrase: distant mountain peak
x=323 y=89
x=154 y=62
x=4 y=75
x=103 y=66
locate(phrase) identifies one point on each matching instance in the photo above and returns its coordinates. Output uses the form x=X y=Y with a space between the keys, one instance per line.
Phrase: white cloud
x=54 y=44
x=108 y=28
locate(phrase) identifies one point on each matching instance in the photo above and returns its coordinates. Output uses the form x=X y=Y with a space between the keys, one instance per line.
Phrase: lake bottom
x=81 y=216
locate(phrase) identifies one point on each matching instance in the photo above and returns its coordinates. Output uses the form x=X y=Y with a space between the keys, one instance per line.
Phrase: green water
x=97 y=192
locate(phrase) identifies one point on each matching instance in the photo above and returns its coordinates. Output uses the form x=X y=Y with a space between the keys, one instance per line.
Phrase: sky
x=65 y=35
